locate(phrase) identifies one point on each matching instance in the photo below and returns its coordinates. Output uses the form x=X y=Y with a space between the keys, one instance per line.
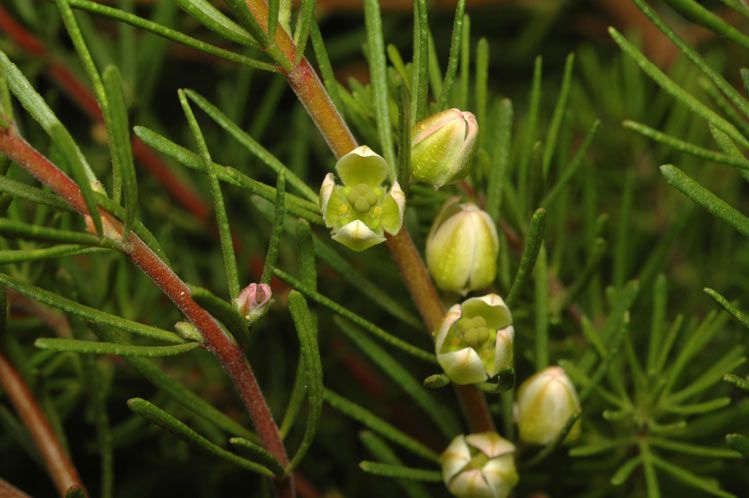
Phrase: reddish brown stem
x=220 y=344
x=60 y=467
x=7 y=490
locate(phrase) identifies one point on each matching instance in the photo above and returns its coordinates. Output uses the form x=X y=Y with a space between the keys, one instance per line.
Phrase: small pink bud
x=253 y=301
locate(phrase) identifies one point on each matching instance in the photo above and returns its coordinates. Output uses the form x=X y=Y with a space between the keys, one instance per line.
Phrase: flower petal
x=357 y=236
x=503 y=351
x=393 y=209
x=471 y=484
x=454 y=458
x=463 y=366
x=452 y=315
x=490 y=443
x=362 y=165
x=491 y=307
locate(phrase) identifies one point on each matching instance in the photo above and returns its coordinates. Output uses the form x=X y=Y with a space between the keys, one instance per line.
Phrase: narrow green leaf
x=119 y=145
x=22 y=255
x=623 y=237
x=219 y=207
x=593 y=449
x=95 y=347
x=613 y=332
x=556 y=119
x=699 y=408
x=77 y=163
x=420 y=62
x=658 y=323
x=720 y=82
x=364 y=285
x=589 y=270
x=433 y=66
x=701 y=15
x=33 y=194
x=87 y=313
x=693 y=480
x=163 y=419
x=739 y=443
x=712 y=375
x=306 y=329
x=274 y=7
x=404 y=136
x=379 y=426
x=378 y=75
x=625 y=471
x=465 y=63
x=305 y=254
x=529 y=139
x=245 y=18
x=257 y=453
x=354 y=318
x=737 y=381
x=400 y=472
x=258 y=150
x=296 y=205
x=379 y=448
x=170 y=34
x=702 y=196
x=571 y=169
x=668 y=343
x=441 y=417
x=502 y=140
x=323 y=63
x=443 y=97
x=196 y=404
x=303 y=27
x=676 y=91
x=541 y=309
x=693 y=449
x=530 y=253
x=271 y=257
x=481 y=85
x=295 y=400
x=732 y=310
x=686 y=147
x=212 y=18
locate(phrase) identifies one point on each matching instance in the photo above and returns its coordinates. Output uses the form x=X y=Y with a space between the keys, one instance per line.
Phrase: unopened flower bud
x=474 y=341
x=479 y=466
x=253 y=301
x=361 y=210
x=442 y=146
x=546 y=401
x=462 y=247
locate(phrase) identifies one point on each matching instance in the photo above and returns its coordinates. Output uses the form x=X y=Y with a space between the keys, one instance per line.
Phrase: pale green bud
x=442 y=146
x=462 y=248
x=360 y=211
x=545 y=403
x=479 y=466
x=474 y=341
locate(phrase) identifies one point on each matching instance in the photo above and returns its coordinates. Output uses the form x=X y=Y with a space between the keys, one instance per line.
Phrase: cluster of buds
x=474 y=341
x=361 y=210
x=479 y=466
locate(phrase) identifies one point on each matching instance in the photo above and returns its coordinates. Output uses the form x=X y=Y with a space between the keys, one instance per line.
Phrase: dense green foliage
x=617 y=184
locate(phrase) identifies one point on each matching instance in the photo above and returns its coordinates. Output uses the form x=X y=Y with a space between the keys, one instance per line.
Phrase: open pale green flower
x=462 y=247
x=474 y=340
x=442 y=146
x=545 y=403
x=361 y=210
x=479 y=466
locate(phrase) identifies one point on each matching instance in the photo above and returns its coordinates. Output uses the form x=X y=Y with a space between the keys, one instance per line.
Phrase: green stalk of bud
x=462 y=248
x=545 y=402
x=360 y=211
x=479 y=466
x=442 y=146
x=474 y=341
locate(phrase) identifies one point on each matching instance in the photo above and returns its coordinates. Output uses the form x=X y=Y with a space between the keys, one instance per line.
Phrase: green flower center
x=362 y=197
x=474 y=330
x=478 y=460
